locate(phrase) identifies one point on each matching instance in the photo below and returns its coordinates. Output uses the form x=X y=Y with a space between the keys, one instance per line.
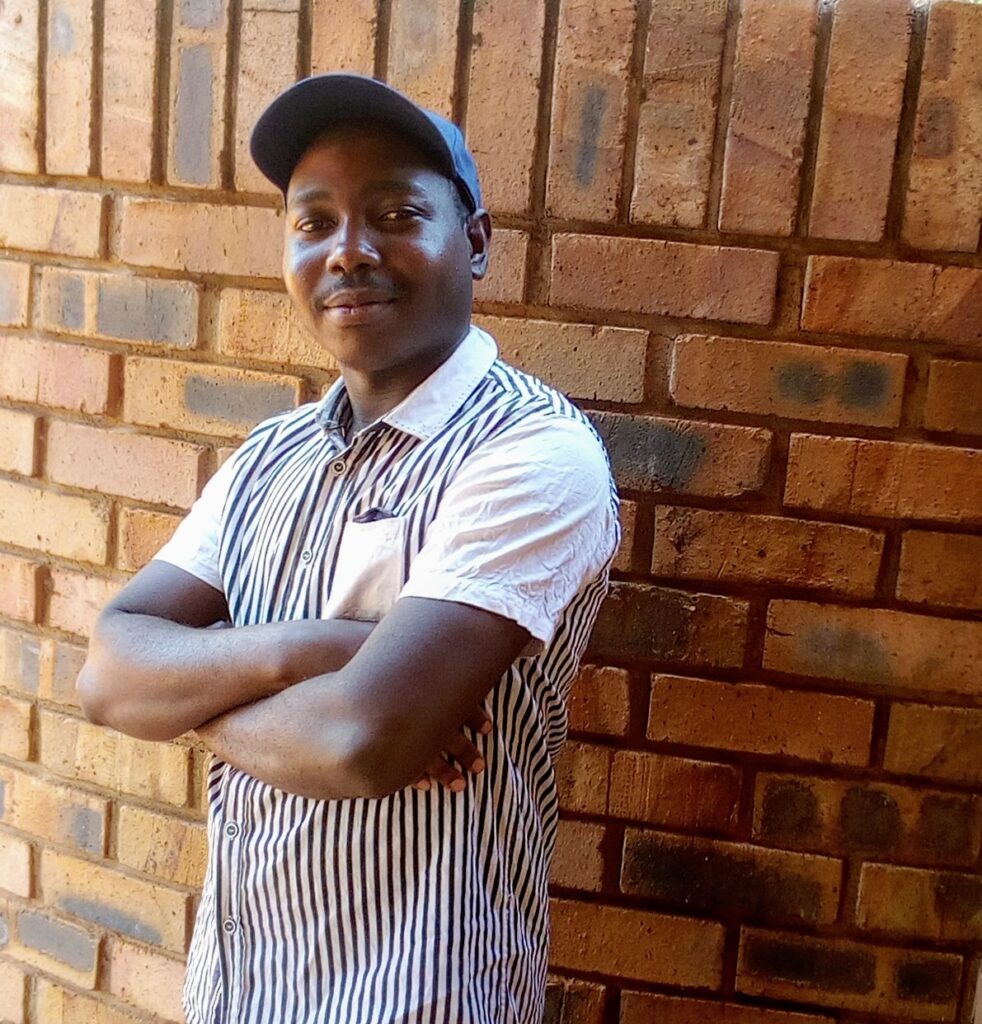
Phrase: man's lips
x=355 y=299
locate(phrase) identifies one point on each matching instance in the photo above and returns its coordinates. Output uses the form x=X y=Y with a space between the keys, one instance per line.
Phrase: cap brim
x=288 y=126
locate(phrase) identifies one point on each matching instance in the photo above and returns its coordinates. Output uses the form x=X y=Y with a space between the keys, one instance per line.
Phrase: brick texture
x=743 y=237
x=20 y=92
x=68 y=89
x=889 y=479
x=760 y=719
x=794 y=381
x=860 y=118
x=672 y=278
x=764 y=142
x=589 y=110
x=894 y=299
x=942 y=208
x=507 y=47
x=677 y=118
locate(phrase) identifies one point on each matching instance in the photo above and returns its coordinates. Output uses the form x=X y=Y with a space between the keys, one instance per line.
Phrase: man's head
x=384 y=231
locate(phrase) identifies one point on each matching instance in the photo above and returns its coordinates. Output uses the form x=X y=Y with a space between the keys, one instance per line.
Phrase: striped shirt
x=483 y=486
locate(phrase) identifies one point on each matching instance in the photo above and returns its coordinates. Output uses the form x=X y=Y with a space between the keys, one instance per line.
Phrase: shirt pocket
x=368 y=574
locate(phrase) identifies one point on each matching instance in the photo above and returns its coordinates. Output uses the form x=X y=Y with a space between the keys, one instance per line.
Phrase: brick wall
x=746 y=235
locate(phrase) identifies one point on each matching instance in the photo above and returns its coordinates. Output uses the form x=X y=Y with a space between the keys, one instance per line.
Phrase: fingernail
x=458 y=785
x=478 y=765
x=485 y=728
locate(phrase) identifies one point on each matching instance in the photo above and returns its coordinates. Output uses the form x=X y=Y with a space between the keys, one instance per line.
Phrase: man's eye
x=311 y=224
x=402 y=213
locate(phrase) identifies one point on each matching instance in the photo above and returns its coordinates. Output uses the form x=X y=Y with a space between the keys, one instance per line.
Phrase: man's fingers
x=465 y=753
x=442 y=771
x=479 y=720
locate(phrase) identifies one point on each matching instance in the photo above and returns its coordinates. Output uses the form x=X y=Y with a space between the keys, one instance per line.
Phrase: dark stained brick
x=64 y=942
x=927 y=980
x=870 y=819
x=806 y=963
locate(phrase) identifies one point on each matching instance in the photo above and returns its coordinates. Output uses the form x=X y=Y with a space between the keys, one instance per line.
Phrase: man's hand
x=463 y=751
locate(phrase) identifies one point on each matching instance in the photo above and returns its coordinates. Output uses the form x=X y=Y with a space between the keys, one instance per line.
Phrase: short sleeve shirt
x=485 y=487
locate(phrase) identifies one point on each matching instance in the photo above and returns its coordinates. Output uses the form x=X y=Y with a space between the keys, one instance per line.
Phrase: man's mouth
x=355 y=305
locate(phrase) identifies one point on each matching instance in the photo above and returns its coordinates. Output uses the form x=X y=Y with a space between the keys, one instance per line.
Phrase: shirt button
x=306 y=555
x=228 y=925
x=338 y=467
x=231 y=830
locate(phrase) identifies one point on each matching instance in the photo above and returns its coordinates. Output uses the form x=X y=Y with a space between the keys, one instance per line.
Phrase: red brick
x=941 y=568
x=197 y=86
x=264 y=325
x=19 y=93
x=944 y=191
x=600 y=701
x=642 y=275
x=206 y=399
x=171 y=849
x=343 y=34
x=47 y=373
x=646 y=1007
x=15 y=727
x=129 y=55
x=56 y=1005
x=625 y=553
x=423 y=51
x=941 y=743
x=571 y=1001
x=636 y=944
x=765 y=136
x=874 y=647
x=731 y=879
x=872 y=819
x=674 y=792
x=15 y=280
x=939 y=905
x=582 y=778
x=50 y=219
x=578 y=861
x=267 y=65
x=692 y=543
x=58 y=667
x=507 y=47
x=795 y=381
x=18 y=431
x=240 y=241
x=677 y=120
x=890 y=479
x=760 y=720
x=57 y=814
x=145 y=979
x=68 y=90
x=101 y=895
x=56 y=947
x=18 y=588
x=851 y=975
x=954 y=397
x=142 y=534
x=888 y=298
x=669 y=625
x=152 y=469
x=58 y=524
x=658 y=454
x=119 y=307
x=77 y=598
x=582 y=360
x=78 y=750
x=589 y=110
x=13 y=987
x=505 y=279
x=860 y=117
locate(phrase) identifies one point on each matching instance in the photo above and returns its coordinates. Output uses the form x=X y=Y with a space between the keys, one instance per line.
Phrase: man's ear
x=478 y=228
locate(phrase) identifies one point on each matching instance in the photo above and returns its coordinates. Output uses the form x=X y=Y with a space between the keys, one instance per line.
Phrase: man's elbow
x=379 y=764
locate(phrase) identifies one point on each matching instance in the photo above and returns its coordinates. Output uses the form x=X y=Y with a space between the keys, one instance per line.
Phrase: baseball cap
x=288 y=126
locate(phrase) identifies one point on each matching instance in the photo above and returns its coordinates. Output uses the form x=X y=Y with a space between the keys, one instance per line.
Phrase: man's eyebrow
x=382 y=186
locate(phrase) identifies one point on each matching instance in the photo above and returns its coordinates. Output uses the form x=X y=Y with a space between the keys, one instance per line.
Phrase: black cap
x=288 y=126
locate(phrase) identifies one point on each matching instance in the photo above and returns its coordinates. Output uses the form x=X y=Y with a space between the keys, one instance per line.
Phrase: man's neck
x=373 y=394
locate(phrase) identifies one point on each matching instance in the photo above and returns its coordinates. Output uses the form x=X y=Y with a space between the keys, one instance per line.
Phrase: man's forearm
x=156 y=679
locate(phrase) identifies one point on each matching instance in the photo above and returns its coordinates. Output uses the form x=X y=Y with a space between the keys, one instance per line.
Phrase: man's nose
x=352 y=249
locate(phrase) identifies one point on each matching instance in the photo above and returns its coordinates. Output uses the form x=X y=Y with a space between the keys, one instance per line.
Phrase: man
x=411 y=567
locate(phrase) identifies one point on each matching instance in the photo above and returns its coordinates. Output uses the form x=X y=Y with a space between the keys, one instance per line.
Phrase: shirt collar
x=433 y=401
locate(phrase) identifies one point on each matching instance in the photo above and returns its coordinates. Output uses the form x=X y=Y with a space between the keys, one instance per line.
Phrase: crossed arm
x=323 y=708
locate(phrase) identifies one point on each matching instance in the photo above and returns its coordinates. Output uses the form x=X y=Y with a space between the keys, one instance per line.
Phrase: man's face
x=379 y=256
